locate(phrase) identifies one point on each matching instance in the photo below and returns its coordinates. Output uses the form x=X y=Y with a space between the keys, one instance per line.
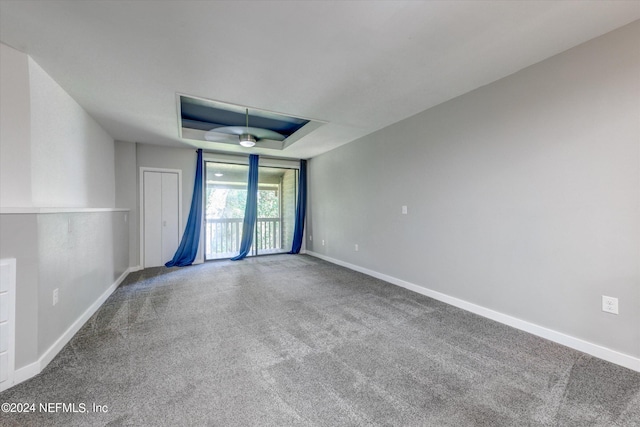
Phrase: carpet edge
x=575 y=343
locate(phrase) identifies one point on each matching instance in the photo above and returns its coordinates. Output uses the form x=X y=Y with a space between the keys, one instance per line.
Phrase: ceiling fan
x=247 y=136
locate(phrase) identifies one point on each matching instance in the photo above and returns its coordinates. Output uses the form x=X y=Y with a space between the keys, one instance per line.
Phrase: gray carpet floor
x=292 y=340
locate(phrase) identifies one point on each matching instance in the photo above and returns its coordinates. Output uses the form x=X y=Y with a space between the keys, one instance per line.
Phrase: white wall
x=52 y=153
x=15 y=129
x=71 y=155
x=523 y=196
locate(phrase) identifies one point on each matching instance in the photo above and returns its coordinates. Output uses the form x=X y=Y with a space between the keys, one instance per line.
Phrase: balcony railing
x=223 y=236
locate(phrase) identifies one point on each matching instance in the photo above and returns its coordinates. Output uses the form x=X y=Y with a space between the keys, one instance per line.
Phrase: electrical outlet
x=404 y=210
x=610 y=304
x=310 y=238
x=357 y=249
x=322 y=242
x=55 y=296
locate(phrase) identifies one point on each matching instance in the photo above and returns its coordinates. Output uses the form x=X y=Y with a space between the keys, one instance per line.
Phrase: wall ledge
x=592 y=349
x=18 y=210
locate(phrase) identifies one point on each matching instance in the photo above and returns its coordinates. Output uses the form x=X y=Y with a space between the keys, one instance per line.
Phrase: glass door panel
x=225 y=200
x=277 y=189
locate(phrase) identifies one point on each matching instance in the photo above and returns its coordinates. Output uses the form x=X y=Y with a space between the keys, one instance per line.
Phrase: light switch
x=404 y=210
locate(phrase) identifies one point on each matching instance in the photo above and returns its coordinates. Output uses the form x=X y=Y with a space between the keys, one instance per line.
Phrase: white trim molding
x=16 y=211
x=264 y=161
x=33 y=369
x=595 y=350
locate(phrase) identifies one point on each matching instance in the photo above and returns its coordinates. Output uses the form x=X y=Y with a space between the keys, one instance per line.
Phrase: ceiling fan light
x=247 y=140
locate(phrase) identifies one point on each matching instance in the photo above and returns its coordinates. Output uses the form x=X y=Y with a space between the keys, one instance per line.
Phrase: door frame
x=268 y=162
x=144 y=169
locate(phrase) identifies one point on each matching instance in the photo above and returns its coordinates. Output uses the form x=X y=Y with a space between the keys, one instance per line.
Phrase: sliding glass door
x=225 y=198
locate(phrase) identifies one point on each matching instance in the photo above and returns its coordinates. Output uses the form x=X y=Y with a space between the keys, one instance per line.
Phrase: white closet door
x=170 y=230
x=161 y=216
x=152 y=219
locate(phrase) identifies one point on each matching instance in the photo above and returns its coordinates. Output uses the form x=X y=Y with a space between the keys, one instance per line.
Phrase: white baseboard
x=26 y=372
x=33 y=369
x=136 y=268
x=596 y=350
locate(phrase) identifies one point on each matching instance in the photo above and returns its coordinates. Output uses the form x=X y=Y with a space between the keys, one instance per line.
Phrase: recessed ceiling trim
x=241 y=159
x=239 y=108
x=198 y=117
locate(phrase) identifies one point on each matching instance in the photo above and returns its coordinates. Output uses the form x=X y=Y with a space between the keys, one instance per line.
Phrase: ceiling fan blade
x=221 y=137
x=258 y=133
x=227 y=138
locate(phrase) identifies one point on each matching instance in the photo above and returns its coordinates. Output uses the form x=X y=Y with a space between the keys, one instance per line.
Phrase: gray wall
x=19 y=240
x=522 y=195
x=184 y=159
x=54 y=155
x=127 y=194
x=171 y=158
x=80 y=254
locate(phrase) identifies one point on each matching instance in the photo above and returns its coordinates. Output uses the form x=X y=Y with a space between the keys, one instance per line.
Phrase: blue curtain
x=301 y=209
x=186 y=253
x=250 y=210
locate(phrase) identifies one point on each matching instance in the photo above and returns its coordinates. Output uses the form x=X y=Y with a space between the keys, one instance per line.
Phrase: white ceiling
x=358 y=65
